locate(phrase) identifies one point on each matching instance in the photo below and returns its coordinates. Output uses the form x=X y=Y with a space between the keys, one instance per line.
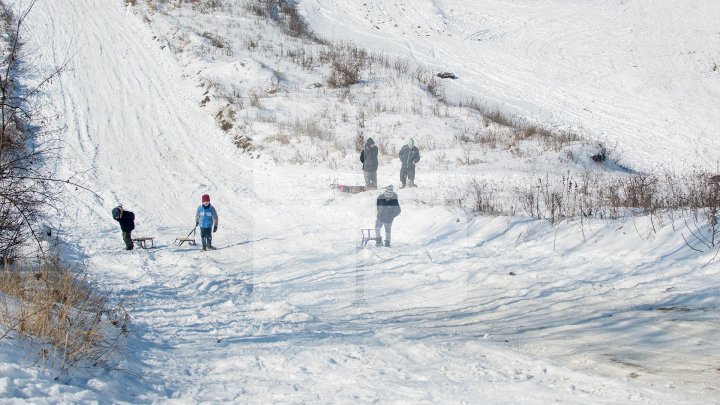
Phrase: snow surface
x=462 y=309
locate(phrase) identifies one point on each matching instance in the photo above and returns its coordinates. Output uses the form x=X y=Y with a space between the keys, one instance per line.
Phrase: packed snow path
x=288 y=310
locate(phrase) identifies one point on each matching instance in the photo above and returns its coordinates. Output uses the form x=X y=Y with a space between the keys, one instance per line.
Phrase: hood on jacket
x=369 y=142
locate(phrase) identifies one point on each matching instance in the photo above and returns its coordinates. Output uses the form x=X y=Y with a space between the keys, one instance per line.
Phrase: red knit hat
x=206 y=197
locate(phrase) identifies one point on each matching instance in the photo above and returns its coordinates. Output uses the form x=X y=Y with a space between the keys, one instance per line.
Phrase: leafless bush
x=243 y=142
x=225 y=118
x=483 y=194
x=359 y=142
x=311 y=128
x=215 y=39
x=283 y=12
x=60 y=312
x=347 y=66
x=204 y=6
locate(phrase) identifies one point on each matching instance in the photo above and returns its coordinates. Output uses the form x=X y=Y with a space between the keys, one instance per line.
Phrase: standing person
x=369 y=159
x=127 y=224
x=207 y=218
x=409 y=156
x=388 y=208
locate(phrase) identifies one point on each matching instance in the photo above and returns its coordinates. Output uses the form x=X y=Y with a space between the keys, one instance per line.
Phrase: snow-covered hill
x=462 y=309
x=642 y=75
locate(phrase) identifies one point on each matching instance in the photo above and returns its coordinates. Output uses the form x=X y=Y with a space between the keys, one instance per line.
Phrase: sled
x=367 y=237
x=143 y=242
x=182 y=239
x=349 y=189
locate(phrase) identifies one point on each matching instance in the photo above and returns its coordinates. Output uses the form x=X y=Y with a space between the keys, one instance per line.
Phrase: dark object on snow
x=349 y=189
x=715 y=179
x=446 y=75
x=599 y=158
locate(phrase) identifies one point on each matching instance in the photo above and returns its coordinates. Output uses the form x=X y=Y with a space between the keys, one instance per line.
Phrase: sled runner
x=349 y=189
x=143 y=242
x=367 y=237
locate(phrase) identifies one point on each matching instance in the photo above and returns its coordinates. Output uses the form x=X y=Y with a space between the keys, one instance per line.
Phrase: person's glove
x=197 y=223
x=214 y=228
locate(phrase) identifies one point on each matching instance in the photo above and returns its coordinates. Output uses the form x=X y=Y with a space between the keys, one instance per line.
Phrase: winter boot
x=387 y=242
x=211 y=247
x=411 y=183
x=378 y=241
x=402 y=185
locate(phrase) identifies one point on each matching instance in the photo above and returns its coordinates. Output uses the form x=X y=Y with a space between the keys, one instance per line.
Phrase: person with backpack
x=206 y=217
x=409 y=156
x=388 y=208
x=369 y=159
x=127 y=224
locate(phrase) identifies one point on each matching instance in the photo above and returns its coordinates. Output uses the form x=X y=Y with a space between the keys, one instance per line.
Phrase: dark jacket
x=125 y=218
x=369 y=156
x=409 y=157
x=387 y=208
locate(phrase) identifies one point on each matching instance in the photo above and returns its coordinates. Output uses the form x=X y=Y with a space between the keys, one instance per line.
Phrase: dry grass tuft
x=59 y=311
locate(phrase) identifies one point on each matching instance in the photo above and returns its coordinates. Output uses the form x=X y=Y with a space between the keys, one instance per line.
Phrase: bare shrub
x=225 y=118
x=484 y=200
x=280 y=137
x=215 y=40
x=312 y=129
x=243 y=142
x=65 y=316
x=359 y=142
x=254 y=97
x=282 y=12
x=347 y=66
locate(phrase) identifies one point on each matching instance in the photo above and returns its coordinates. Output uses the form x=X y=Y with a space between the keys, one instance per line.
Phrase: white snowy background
x=462 y=308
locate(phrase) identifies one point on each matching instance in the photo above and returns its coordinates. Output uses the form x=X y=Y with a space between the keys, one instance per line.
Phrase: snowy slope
x=639 y=75
x=460 y=310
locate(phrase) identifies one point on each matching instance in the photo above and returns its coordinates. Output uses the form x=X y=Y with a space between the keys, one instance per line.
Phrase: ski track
x=288 y=309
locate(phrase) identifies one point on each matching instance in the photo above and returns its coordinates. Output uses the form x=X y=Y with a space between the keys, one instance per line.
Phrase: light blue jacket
x=206 y=216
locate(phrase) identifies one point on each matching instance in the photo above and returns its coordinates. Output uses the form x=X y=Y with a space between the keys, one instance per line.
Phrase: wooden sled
x=349 y=189
x=143 y=242
x=367 y=237
x=179 y=241
x=182 y=239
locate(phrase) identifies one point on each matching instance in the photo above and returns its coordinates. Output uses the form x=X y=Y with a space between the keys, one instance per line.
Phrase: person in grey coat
x=409 y=156
x=388 y=208
x=369 y=159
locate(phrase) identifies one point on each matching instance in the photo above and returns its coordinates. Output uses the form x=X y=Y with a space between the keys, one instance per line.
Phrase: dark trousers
x=127 y=238
x=370 y=179
x=206 y=236
x=407 y=173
